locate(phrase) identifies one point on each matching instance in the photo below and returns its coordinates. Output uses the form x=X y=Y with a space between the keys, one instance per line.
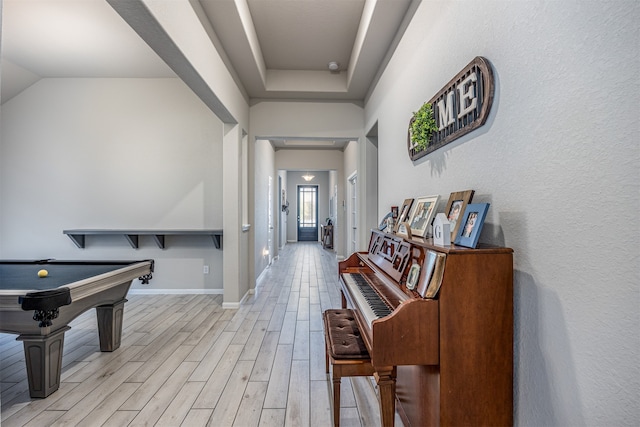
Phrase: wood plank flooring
x=184 y=361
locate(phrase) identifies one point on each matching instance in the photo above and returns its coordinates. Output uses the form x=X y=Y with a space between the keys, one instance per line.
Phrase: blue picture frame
x=471 y=224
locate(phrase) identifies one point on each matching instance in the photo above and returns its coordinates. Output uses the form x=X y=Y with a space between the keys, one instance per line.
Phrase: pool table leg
x=110 y=325
x=43 y=356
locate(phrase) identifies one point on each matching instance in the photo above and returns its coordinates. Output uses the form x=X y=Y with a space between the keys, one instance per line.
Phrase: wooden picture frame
x=403 y=216
x=394 y=212
x=456 y=206
x=422 y=214
x=471 y=224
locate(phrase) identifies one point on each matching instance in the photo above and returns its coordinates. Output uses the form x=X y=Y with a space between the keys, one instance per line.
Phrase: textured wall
x=264 y=169
x=559 y=162
x=112 y=153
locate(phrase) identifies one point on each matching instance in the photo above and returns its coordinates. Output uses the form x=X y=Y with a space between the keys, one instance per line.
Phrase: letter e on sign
x=467 y=91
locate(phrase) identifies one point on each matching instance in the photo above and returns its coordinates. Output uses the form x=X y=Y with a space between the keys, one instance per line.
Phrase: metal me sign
x=461 y=106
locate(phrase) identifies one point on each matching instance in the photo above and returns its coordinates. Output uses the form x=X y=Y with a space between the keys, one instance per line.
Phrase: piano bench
x=345 y=351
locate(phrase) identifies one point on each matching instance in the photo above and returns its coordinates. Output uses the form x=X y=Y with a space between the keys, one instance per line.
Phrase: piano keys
x=432 y=344
x=368 y=300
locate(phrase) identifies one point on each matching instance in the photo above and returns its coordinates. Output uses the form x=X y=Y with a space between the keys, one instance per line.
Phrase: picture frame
x=403 y=216
x=471 y=224
x=394 y=212
x=413 y=276
x=383 y=222
x=404 y=230
x=455 y=208
x=422 y=214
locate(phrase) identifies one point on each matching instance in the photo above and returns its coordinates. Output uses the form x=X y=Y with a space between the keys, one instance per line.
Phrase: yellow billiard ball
x=43 y=273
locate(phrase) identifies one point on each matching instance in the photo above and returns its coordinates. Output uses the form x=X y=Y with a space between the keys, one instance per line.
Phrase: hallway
x=186 y=361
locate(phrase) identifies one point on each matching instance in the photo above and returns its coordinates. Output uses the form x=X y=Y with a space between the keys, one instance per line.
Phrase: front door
x=307 y=213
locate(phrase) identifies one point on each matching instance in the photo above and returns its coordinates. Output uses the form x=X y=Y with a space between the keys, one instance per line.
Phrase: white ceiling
x=276 y=49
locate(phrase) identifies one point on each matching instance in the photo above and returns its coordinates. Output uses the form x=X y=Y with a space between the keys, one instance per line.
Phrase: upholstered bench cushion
x=342 y=335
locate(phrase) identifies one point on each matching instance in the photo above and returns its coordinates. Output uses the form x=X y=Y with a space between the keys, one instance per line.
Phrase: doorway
x=270 y=227
x=307 y=213
x=352 y=208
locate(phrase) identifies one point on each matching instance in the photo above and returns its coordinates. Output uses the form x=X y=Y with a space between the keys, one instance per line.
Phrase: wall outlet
x=205 y=269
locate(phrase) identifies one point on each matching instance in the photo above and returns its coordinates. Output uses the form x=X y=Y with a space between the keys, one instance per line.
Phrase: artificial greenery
x=423 y=125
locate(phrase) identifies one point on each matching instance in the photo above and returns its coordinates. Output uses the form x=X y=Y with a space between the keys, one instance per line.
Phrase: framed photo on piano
x=404 y=213
x=422 y=214
x=456 y=206
x=413 y=276
x=471 y=224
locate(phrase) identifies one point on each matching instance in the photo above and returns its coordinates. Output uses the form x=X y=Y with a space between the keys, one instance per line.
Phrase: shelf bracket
x=132 y=239
x=217 y=240
x=78 y=239
x=159 y=238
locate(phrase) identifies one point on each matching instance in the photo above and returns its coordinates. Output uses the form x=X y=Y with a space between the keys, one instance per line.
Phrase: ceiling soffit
x=280 y=49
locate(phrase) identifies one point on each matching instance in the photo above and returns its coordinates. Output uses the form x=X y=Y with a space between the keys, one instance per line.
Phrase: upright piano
x=438 y=325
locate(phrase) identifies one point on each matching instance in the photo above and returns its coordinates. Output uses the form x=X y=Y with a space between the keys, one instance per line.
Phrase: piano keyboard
x=367 y=299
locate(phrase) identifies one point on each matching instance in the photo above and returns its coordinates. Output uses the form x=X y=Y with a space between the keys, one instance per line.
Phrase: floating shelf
x=78 y=236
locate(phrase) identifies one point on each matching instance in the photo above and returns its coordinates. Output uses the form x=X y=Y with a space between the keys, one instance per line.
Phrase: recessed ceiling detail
x=275 y=49
x=280 y=49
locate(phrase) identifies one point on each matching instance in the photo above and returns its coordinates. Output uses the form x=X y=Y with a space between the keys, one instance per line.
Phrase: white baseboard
x=236 y=305
x=143 y=291
x=261 y=276
x=225 y=305
x=230 y=305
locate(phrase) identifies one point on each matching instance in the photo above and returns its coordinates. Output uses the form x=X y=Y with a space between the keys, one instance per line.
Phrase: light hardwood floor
x=186 y=361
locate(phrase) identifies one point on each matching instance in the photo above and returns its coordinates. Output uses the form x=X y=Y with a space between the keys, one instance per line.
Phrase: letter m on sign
x=445 y=111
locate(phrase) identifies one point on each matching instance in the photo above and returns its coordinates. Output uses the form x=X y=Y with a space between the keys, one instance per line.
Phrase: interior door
x=270 y=221
x=352 y=203
x=307 y=213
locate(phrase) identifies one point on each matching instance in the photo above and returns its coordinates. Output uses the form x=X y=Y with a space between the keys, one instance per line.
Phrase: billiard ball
x=43 y=273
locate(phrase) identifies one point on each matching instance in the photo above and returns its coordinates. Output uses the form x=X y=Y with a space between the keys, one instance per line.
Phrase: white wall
x=112 y=153
x=344 y=205
x=307 y=119
x=264 y=168
x=559 y=162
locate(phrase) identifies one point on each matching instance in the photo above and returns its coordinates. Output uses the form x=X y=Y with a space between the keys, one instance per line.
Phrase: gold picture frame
x=455 y=209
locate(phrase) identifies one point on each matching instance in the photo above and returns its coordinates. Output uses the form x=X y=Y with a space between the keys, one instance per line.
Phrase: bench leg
x=326 y=360
x=336 y=398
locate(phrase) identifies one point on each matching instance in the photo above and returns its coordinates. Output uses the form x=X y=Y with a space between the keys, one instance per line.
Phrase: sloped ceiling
x=275 y=49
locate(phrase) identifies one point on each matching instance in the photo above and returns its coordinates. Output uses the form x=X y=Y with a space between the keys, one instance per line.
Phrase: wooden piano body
x=452 y=353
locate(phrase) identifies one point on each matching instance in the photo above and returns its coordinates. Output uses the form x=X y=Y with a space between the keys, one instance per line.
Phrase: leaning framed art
x=455 y=208
x=404 y=213
x=422 y=214
x=471 y=224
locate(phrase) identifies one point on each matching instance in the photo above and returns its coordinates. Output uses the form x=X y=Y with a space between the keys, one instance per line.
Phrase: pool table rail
x=43 y=345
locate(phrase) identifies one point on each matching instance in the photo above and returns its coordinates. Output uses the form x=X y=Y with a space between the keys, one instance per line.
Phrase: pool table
x=39 y=309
